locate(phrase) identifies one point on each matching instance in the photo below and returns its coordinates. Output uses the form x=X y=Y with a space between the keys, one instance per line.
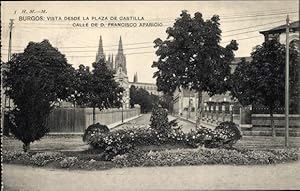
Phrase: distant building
x=150 y=87
x=279 y=33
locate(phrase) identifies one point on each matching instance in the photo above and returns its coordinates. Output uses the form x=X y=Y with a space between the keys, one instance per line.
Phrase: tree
x=98 y=89
x=82 y=86
x=191 y=56
x=166 y=101
x=133 y=95
x=143 y=98
x=35 y=80
x=262 y=81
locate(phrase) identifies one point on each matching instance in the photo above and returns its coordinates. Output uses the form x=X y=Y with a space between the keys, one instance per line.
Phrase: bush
x=94 y=129
x=68 y=162
x=9 y=156
x=159 y=121
x=225 y=135
x=38 y=159
x=41 y=159
x=202 y=156
x=196 y=138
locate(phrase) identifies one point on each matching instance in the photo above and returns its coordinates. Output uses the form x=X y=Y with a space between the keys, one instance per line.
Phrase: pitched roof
x=294 y=25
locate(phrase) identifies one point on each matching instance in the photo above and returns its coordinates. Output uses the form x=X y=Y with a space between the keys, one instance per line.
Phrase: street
x=283 y=176
x=144 y=120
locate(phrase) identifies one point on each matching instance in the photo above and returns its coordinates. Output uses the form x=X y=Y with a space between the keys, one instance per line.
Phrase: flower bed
x=172 y=157
x=201 y=156
x=54 y=160
x=123 y=140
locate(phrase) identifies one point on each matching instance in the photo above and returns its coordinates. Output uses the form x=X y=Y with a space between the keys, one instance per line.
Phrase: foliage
x=96 y=89
x=41 y=159
x=226 y=134
x=143 y=98
x=125 y=140
x=38 y=159
x=166 y=101
x=35 y=80
x=197 y=137
x=94 y=129
x=262 y=81
x=191 y=54
x=106 y=93
x=159 y=121
x=68 y=162
x=202 y=156
x=82 y=86
x=9 y=156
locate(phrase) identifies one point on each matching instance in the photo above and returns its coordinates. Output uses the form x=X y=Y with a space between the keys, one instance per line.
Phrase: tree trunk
x=272 y=123
x=26 y=147
x=199 y=113
x=94 y=115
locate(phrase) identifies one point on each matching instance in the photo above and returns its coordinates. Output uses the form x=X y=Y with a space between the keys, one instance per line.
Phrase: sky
x=78 y=39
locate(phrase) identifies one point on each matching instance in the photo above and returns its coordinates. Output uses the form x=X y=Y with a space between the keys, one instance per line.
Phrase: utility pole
x=11 y=24
x=287 y=84
x=3 y=96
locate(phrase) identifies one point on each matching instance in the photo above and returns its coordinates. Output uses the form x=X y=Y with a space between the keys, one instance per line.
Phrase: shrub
x=41 y=159
x=224 y=136
x=159 y=121
x=202 y=156
x=176 y=135
x=196 y=138
x=113 y=143
x=68 y=162
x=9 y=156
x=94 y=129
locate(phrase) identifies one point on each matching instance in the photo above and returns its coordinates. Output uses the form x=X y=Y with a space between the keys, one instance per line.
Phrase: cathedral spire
x=100 y=53
x=120 y=49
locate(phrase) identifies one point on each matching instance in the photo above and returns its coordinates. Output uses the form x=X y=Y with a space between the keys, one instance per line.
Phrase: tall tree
x=82 y=86
x=192 y=56
x=99 y=89
x=36 y=79
x=262 y=81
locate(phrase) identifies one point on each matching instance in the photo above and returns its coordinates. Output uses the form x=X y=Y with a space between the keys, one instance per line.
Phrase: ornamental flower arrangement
x=196 y=138
x=225 y=135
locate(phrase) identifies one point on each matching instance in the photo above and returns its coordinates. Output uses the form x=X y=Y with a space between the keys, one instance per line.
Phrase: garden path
x=267 y=177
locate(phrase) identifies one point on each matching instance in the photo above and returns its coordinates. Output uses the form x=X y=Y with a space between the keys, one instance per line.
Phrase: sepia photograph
x=150 y=95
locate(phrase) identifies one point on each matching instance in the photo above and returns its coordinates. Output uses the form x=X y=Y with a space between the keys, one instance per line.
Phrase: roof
x=294 y=25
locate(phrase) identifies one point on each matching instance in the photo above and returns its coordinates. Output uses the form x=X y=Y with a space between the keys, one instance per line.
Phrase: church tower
x=120 y=58
x=100 y=54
